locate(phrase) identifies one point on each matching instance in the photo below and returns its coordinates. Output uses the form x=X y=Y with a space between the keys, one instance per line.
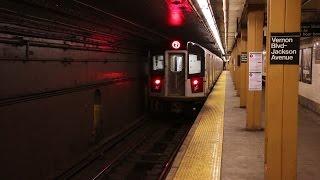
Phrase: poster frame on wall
x=306 y=66
x=255 y=60
x=317 y=52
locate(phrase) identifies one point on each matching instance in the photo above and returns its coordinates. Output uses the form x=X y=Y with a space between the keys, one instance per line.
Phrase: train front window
x=176 y=62
x=194 y=64
x=158 y=63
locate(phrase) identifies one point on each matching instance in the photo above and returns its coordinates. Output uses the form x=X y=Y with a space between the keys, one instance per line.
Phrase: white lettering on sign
x=282 y=40
x=276 y=45
x=283 y=51
x=282 y=58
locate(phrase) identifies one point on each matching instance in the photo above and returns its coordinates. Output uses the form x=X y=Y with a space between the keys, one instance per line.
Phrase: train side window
x=157 y=62
x=194 y=64
x=176 y=63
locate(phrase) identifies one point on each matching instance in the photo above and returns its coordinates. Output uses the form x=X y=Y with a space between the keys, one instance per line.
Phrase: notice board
x=255 y=71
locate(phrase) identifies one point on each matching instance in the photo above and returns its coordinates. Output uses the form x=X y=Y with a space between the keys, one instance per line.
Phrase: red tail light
x=156 y=84
x=157 y=81
x=196 y=84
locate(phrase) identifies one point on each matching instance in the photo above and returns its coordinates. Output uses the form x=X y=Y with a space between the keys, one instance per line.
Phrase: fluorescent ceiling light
x=207 y=12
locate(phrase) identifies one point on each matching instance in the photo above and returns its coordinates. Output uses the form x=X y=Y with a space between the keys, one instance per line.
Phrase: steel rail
x=116 y=159
x=169 y=163
x=107 y=144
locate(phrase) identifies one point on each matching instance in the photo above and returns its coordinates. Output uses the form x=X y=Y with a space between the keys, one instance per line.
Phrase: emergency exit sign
x=284 y=48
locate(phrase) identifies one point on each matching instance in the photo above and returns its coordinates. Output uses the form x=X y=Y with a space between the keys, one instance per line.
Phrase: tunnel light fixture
x=207 y=13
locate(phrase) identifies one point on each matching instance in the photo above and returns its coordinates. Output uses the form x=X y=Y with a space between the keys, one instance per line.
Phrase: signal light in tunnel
x=175 y=44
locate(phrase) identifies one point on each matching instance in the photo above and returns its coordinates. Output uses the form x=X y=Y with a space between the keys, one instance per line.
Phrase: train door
x=209 y=71
x=175 y=73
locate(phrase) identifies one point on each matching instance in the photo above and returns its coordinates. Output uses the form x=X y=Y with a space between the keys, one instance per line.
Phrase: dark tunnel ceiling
x=154 y=15
x=95 y=20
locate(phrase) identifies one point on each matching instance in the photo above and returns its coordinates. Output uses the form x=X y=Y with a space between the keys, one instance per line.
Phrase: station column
x=243 y=70
x=284 y=18
x=254 y=44
x=238 y=79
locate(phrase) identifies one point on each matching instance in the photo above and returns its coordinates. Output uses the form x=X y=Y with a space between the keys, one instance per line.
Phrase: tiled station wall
x=310 y=93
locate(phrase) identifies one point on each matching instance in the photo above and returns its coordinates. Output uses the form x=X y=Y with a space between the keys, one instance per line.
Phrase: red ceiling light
x=176 y=11
x=175 y=44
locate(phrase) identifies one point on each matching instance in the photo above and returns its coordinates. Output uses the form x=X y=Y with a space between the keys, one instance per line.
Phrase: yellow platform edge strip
x=202 y=159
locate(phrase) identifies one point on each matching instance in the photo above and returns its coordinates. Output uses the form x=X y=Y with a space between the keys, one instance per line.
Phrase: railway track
x=145 y=153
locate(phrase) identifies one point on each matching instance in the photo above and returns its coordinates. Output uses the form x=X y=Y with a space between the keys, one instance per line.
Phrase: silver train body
x=181 y=79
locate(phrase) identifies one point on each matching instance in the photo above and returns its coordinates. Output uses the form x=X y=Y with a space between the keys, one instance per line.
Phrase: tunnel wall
x=54 y=56
x=309 y=93
x=47 y=107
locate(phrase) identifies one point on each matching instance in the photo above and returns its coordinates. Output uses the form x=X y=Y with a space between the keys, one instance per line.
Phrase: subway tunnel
x=78 y=77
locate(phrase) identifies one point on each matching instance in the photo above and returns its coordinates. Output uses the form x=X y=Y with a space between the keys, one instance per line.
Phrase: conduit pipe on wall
x=122 y=19
x=225 y=7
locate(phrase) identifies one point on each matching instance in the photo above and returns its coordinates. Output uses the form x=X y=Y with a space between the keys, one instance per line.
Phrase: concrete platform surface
x=308 y=145
x=243 y=151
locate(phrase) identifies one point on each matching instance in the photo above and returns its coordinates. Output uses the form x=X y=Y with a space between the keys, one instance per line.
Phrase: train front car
x=181 y=79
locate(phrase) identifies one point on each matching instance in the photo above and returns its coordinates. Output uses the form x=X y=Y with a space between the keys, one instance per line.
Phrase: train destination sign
x=284 y=48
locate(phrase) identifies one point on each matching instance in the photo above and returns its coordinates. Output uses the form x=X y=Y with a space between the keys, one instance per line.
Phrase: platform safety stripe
x=202 y=159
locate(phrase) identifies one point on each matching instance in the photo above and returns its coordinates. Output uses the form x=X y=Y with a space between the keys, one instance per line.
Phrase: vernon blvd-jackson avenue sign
x=284 y=48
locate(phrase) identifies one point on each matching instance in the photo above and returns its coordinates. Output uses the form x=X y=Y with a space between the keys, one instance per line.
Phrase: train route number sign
x=284 y=48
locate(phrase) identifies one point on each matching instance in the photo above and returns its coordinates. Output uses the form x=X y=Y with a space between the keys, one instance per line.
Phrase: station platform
x=219 y=147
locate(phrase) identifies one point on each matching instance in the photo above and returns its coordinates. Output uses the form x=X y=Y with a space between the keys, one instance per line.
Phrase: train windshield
x=176 y=62
x=158 y=62
x=176 y=74
x=194 y=64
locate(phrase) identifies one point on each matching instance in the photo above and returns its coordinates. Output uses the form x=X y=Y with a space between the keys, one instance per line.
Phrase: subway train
x=181 y=78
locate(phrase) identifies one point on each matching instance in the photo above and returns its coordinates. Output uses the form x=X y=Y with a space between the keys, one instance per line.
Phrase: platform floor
x=308 y=145
x=243 y=151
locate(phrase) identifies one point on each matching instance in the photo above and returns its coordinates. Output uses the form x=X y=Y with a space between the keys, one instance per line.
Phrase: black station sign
x=244 y=57
x=284 y=48
x=310 y=30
